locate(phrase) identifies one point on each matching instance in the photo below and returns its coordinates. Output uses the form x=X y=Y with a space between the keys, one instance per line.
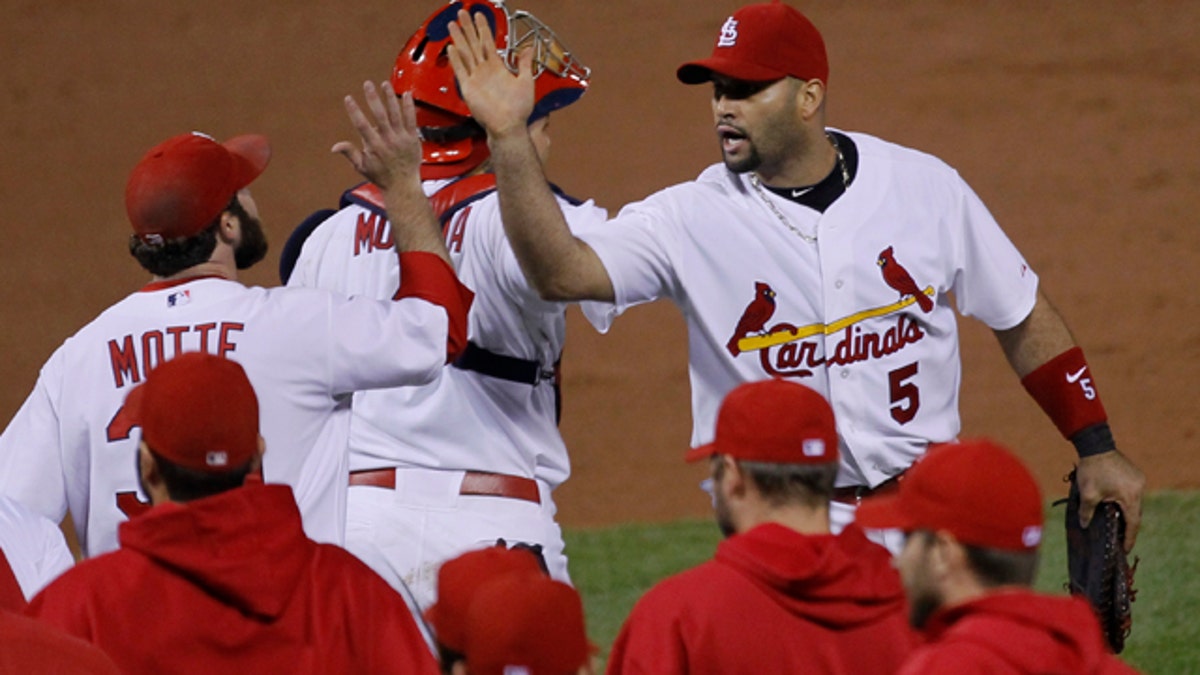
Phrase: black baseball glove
x=1098 y=567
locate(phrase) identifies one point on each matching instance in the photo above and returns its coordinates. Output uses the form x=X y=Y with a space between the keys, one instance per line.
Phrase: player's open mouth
x=731 y=139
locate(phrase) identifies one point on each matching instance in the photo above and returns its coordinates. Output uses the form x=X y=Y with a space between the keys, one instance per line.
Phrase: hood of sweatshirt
x=1034 y=633
x=245 y=546
x=839 y=581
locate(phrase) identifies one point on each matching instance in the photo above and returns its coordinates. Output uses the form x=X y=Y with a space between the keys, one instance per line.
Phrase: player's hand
x=391 y=142
x=499 y=100
x=1111 y=477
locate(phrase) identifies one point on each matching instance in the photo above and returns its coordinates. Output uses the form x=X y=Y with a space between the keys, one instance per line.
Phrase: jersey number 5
x=120 y=429
x=906 y=397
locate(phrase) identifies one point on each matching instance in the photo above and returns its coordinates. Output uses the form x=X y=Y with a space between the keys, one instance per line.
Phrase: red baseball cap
x=526 y=623
x=976 y=490
x=199 y=411
x=458 y=580
x=773 y=421
x=182 y=184
x=761 y=43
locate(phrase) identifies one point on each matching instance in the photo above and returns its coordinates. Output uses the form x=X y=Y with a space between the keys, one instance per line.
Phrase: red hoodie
x=231 y=584
x=1013 y=632
x=773 y=601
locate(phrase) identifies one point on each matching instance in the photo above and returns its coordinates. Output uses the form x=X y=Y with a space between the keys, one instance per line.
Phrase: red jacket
x=773 y=601
x=1013 y=632
x=29 y=647
x=230 y=584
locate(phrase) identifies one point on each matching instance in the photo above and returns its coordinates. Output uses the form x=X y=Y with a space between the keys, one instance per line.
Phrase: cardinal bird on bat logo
x=898 y=278
x=755 y=317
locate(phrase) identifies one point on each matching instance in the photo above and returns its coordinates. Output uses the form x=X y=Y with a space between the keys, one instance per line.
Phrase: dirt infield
x=1074 y=121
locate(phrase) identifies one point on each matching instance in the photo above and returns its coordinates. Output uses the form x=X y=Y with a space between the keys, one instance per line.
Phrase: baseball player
x=218 y=577
x=474 y=456
x=830 y=257
x=32 y=545
x=833 y=604
x=195 y=225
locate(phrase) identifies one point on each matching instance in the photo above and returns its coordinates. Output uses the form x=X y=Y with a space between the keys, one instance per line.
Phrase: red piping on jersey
x=171 y=283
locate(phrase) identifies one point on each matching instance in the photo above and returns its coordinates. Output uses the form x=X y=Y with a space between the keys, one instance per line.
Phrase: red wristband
x=1064 y=389
x=426 y=276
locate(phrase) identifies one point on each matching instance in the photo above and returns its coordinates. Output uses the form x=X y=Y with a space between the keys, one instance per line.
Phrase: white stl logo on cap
x=216 y=458
x=728 y=33
x=813 y=447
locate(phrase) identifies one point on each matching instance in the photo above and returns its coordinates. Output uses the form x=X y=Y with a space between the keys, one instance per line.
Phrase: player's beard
x=724 y=517
x=923 y=596
x=748 y=163
x=253 y=246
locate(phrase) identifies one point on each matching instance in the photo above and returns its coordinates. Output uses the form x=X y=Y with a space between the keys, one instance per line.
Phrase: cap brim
x=699 y=72
x=255 y=152
x=883 y=513
x=700 y=452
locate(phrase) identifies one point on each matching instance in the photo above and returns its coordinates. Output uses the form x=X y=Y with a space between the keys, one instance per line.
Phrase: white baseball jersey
x=863 y=313
x=304 y=351
x=33 y=545
x=464 y=420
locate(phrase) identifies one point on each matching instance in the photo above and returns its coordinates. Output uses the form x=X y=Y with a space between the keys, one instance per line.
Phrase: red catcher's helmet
x=453 y=143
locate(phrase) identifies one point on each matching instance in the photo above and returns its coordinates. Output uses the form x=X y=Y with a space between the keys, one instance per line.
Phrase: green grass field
x=612 y=567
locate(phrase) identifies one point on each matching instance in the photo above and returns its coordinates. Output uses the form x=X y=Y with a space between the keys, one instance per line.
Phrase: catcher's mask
x=453 y=143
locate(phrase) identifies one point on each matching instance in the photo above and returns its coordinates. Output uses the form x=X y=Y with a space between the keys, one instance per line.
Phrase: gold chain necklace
x=762 y=194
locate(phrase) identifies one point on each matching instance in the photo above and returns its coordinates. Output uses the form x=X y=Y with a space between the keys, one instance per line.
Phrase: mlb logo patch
x=217 y=458
x=1031 y=536
x=813 y=447
x=179 y=298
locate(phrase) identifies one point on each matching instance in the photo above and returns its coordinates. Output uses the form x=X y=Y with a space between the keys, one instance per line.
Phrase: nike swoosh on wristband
x=1073 y=378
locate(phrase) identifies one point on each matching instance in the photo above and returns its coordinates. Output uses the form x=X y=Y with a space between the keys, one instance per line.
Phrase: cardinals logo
x=755 y=317
x=898 y=278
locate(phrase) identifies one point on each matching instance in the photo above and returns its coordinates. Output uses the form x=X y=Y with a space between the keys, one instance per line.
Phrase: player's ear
x=734 y=481
x=810 y=97
x=150 y=477
x=230 y=227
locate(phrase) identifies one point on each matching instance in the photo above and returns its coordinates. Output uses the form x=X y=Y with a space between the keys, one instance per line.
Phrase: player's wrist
x=1096 y=439
x=1063 y=387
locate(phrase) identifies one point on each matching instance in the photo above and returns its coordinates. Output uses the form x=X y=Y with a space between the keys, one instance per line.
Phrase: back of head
x=453 y=143
x=784 y=434
x=528 y=624
x=181 y=185
x=977 y=490
x=199 y=413
x=458 y=580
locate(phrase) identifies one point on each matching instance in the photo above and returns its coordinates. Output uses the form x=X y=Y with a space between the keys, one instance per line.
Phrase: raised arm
x=390 y=157
x=558 y=265
x=1044 y=355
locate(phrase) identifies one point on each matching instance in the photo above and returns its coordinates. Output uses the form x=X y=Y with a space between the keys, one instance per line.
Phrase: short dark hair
x=184 y=484
x=809 y=484
x=999 y=567
x=175 y=255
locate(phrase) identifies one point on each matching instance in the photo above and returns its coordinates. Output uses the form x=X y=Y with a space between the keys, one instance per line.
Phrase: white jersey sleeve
x=34 y=546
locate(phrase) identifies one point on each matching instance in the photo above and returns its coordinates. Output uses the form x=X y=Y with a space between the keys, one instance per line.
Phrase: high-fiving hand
x=391 y=141
x=499 y=100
